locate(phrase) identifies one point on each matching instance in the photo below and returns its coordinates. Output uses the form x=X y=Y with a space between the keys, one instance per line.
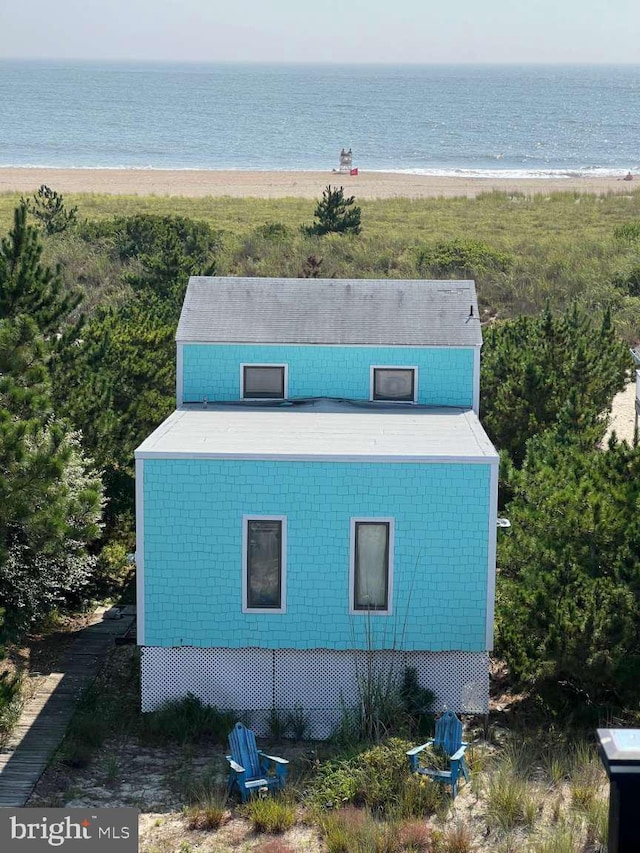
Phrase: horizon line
x=323 y=62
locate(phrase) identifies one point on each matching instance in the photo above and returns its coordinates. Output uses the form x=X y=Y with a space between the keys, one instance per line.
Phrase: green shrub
x=113 y=569
x=629 y=232
x=629 y=283
x=10 y=703
x=270 y=814
x=378 y=778
x=187 y=720
x=418 y=702
x=465 y=258
x=275 y=231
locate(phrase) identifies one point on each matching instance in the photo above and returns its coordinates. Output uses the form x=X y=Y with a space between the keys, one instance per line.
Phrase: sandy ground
x=623 y=413
x=239 y=184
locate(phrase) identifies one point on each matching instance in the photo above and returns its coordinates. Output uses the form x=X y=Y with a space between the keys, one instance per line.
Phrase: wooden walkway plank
x=46 y=715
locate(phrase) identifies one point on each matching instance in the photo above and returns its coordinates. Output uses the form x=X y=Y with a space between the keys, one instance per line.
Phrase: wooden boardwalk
x=45 y=716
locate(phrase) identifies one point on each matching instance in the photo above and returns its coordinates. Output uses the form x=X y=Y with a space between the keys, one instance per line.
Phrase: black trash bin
x=620 y=754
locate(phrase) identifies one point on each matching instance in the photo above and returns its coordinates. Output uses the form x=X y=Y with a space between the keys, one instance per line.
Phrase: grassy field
x=560 y=248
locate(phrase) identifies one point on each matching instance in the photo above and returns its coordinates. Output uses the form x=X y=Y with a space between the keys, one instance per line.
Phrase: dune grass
x=559 y=248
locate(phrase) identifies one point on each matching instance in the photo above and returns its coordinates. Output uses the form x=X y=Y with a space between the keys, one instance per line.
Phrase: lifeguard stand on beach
x=346 y=161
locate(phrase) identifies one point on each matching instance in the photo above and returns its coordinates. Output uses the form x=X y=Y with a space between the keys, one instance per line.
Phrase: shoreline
x=258 y=184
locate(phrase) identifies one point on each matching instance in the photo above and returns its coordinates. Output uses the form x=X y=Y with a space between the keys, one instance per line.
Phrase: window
x=371 y=565
x=393 y=384
x=263 y=381
x=264 y=563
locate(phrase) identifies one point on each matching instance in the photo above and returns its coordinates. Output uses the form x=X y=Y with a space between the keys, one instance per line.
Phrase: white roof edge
x=305 y=344
x=326 y=430
x=488 y=459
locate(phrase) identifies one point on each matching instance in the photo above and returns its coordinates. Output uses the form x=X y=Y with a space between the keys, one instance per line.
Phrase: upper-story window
x=264 y=381
x=394 y=384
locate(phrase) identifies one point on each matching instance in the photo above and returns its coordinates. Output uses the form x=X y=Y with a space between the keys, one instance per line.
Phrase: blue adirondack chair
x=250 y=769
x=448 y=739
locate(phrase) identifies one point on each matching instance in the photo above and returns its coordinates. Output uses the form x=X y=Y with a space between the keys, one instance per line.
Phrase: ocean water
x=445 y=120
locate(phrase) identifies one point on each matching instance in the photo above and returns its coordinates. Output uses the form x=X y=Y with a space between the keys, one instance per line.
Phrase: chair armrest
x=238 y=768
x=459 y=754
x=274 y=758
x=417 y=749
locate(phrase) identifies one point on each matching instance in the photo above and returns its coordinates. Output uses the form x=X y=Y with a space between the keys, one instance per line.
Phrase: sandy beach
x=240 y=184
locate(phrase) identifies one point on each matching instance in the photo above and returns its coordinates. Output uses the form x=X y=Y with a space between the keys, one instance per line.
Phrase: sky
x=385 y=31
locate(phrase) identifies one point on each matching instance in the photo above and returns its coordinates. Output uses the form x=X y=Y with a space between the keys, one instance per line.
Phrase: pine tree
x=536 y=370
x=48 y=207
x=569 y=569
x=335 y=214
x=50 y=502
x=26 y=286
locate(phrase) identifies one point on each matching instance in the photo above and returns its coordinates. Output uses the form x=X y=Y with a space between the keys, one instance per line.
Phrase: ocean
x=485 y=121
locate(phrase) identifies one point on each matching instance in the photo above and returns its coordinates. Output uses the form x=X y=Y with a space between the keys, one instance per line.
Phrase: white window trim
x=375 y=367
x=264 y=364
x=283 y=564
x=352 y=566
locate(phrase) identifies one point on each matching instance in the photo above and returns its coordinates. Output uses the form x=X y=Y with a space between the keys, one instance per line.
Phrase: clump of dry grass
x=511 y=801
x=270 y=814
x=457 y=838
x=208 y=809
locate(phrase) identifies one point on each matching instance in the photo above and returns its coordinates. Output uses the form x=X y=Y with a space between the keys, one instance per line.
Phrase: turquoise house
x=323 y=500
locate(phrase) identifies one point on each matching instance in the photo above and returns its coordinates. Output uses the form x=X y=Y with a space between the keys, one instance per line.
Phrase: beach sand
x=240 y=184
x=623 y=414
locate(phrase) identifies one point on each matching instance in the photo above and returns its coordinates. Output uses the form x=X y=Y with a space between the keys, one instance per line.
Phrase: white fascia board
x=186 y=341
x=294 y=457
x=491 y=553
x=140 y=551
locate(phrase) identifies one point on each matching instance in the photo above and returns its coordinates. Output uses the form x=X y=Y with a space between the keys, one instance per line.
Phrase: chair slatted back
x=242 y=744
x=448 y=733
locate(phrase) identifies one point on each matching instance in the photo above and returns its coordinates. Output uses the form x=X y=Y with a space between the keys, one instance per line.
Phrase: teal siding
x=193 y=512
x=445 y=375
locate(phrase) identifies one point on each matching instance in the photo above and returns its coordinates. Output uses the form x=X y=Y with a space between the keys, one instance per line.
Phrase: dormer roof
x=373 y=312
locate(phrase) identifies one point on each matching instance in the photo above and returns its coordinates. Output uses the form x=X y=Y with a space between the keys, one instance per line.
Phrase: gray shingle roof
x=330 y=311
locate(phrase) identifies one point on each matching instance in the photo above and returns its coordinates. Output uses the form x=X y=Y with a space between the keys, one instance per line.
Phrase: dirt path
x=623 y=413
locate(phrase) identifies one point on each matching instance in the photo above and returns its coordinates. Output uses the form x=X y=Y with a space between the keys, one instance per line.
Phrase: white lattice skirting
x=320 y=681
